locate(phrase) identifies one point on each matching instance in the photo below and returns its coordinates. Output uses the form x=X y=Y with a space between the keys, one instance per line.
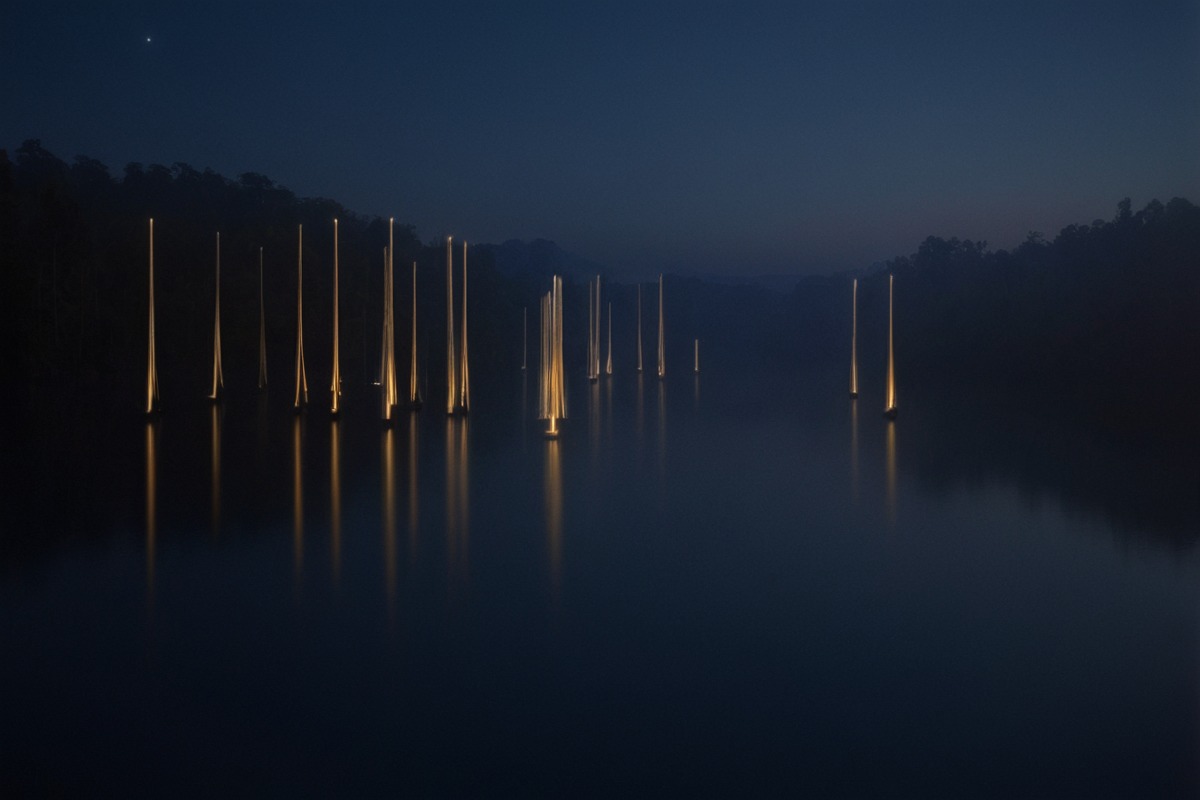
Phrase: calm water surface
x=702 y=588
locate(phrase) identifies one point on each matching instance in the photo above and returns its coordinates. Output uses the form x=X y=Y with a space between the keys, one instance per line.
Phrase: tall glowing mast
x=591 y=327
x=464 y=384
x=301 y=399
x=890 y=411
x=552 y=404
x=262 y=327
x=414 y=393
x=639 y=327
x=383 y=325
x=152 y=404
x=608 y=365
x=595 y=350
x=218 y=378
x=854 y=342
x=451 y=366
x=662 y=350
x=335 y=384
x=696 y=356
x=390 y=391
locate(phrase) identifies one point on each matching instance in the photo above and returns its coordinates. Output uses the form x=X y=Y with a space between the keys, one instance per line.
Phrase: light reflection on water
x=335 y=500
x=151 y=507
x=750 y=556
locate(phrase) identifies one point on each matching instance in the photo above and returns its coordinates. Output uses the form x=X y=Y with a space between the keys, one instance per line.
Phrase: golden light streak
x=552 y=399
x=464 y=384
x=262 y=327
x=854 y=341
x=890 y=410
x=414 y=392
x=639 y=328
x=391 y=389
x=335 y=383
x=297 y=501
x=301 y=399
x=380 y=379
x=662 y=349
x=608 y=366
x=335 y=500
x=152 y=402
x=218 y=377
x=596 y=349
x=451 y=364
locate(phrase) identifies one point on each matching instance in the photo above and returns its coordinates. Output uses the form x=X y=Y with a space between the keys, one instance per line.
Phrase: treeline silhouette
x=1103 y=320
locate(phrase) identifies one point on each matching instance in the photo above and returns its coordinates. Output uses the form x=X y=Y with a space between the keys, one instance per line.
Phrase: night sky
x=732 y=138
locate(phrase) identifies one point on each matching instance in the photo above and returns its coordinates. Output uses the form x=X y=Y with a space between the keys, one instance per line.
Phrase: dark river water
x=707 y=585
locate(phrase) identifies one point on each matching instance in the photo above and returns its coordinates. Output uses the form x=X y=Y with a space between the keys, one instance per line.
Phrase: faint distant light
x=147 y=40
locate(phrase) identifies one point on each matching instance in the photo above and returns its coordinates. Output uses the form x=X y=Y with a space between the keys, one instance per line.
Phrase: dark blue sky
x=731 y=138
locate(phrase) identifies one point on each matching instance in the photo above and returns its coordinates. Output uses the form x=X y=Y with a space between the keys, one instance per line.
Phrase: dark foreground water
x=711 y=586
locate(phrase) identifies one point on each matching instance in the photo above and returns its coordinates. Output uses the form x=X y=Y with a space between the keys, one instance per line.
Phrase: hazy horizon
x=797 y=139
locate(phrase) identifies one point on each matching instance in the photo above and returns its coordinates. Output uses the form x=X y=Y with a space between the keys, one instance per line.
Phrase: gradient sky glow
x=696 y=137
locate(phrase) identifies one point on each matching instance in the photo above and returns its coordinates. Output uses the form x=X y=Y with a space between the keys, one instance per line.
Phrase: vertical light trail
x=301 y=399
x=151 y=357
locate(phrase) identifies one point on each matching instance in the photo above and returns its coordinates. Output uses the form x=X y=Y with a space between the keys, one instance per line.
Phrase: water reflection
x=335 y=500
x=297 y=499
x=457 y=501
x=594 y=416
x=413 y=494
x=389 y=515
x=553 y=491
x=696 y=392
x=891 y=473
x=662 y=428
x=608 y=409
x=151 y=507
x=215 y=412
x=854 y=450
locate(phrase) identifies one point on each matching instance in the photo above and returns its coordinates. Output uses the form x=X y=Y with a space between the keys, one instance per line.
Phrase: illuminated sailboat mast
x=451 y=366
x=608 y=365
x=335 y=383
x=262 y=327
x=383 y=325
x=696 y=356
x=218 y=379
x=594 y=367
x=464 y=383
x=662 y=350
x=639 y=328
x=414 y=392
x=301 y=399
x=854 y=342
x=591 y=328
x=152 y=404
x=552 y=405
x=388 y=369
x=890 y=410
